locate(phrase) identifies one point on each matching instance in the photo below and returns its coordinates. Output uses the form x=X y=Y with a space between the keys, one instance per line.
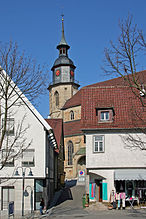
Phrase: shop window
x=8 y=196
x=40 y=189
x=56 y=98
x=9 y=126
x=28 y=158
x=98 y=143
x=129 y=188
x=72 y=115
x=70 y=153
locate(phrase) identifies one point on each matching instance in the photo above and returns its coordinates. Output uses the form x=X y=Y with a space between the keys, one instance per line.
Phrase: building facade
x=113 y=120
x=26 y=178
x=98 y=120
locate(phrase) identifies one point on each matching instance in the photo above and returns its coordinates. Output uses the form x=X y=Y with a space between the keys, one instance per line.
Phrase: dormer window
x=104 y=116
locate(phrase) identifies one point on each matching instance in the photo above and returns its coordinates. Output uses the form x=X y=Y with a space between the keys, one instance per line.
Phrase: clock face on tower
x=57 y=72
x=72 y=73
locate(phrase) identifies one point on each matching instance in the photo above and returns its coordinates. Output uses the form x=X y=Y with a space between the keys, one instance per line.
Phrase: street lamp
x=31 y=196
x=23 y=182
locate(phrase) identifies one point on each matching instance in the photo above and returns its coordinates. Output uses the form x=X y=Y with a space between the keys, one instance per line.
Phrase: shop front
x=132 y=182
x=97 y=188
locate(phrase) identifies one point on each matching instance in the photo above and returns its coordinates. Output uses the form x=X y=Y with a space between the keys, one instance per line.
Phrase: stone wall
x=65 y=93
x=67 y=114
x=78 y=142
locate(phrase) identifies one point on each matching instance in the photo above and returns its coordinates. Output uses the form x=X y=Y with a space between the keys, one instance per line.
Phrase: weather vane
x=62 y=17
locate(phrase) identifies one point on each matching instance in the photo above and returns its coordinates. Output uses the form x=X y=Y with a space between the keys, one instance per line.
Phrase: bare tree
x=20 y=77
x=123 y=59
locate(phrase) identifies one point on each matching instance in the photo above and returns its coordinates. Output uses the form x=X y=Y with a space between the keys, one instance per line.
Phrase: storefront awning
x=130 y=174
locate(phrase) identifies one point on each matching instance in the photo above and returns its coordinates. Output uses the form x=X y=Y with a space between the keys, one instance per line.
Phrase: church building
x=97 y=120
x=61 y=90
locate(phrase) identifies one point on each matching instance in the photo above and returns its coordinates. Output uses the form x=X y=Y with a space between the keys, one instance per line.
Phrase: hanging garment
x=118 y=199
x=123 y=203
x=119 y=204
x=93 y=190
x=123 y=196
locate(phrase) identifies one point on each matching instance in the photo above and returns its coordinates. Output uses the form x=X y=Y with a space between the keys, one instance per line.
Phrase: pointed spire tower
x=63 y=86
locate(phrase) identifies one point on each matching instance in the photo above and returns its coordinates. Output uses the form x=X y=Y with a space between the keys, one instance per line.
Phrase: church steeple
x=63 y=41
x=63 y=85
x=63 y=68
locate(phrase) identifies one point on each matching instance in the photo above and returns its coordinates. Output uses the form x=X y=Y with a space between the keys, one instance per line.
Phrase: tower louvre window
x=64 y=50
x=56 y=98
x=60 y=51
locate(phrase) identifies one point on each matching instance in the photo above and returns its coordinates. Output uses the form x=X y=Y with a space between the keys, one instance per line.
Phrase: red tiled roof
x=72 y=128
x=73 y=101
x=57 y=126
x=140 y=76
x=76 y=99
x=125 y=104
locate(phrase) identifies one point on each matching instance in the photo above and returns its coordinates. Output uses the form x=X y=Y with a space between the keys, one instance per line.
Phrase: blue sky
x=89 y=26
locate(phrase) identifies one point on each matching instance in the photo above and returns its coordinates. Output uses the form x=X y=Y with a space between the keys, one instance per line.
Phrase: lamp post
x=31 y=196
x=23 y=182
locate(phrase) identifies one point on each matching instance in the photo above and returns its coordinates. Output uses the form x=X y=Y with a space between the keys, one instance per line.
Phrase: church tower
x=63 y=86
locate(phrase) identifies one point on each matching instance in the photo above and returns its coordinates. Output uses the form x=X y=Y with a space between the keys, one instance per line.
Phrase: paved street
x=69 y=206
x=72 y=208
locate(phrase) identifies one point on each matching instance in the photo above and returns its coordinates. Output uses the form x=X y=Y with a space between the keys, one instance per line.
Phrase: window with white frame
x=8 y=157
x=28 y=158
x=9 y=126
x=104 y=115
x=98 y=143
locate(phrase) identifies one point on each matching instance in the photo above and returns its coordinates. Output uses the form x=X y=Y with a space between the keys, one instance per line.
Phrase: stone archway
x=81 y=163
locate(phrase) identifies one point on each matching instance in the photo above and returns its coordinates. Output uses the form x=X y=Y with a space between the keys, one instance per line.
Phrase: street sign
x=81 y=176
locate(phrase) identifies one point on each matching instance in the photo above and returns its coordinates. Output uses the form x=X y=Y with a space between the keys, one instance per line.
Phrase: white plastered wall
x=115 y=155
x=35 y=134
